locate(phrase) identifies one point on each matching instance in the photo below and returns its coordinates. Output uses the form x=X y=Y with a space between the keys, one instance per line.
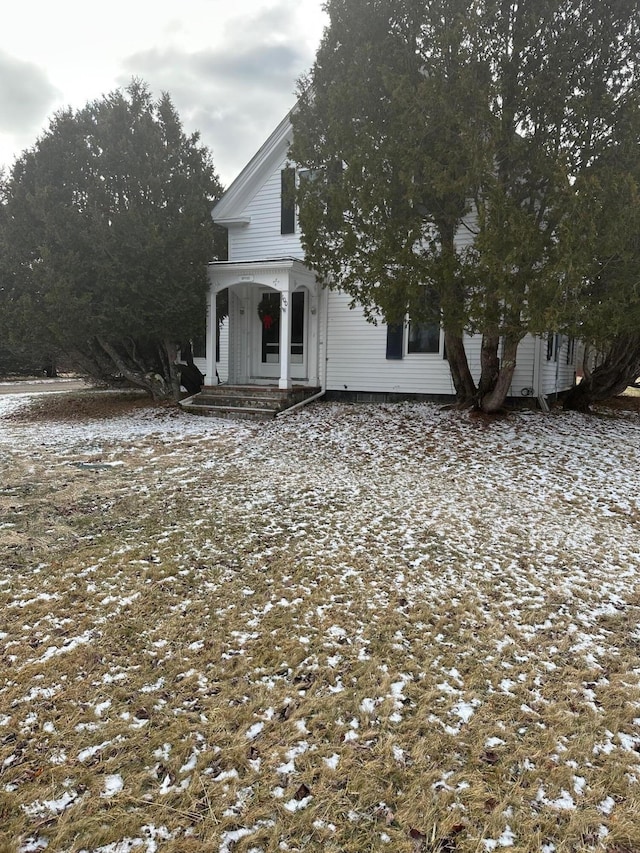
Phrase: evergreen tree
x=607 y=304
x=437 y=118
x=106 y=228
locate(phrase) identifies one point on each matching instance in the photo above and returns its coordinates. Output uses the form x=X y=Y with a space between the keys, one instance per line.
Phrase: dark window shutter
x=395 y=341
x=288 y=201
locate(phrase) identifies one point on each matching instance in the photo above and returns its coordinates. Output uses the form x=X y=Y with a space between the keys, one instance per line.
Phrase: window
x=288 y=201
x=412 y=338
x=269 y=313
x=571 y=351
x=297 y=327
x=310 y=175
x=423 y=334
x=552 y=347
x=423 y=337
x=328 y=179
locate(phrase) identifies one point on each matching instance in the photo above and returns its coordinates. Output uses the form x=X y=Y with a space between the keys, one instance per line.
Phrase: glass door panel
x=270 y=319
x=297 y=327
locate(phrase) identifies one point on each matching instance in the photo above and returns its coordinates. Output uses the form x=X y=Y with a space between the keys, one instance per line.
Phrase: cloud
x=236 y=93
x=26 y=96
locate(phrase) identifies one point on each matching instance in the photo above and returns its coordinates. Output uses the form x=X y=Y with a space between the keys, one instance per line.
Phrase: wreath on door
x=265 y=312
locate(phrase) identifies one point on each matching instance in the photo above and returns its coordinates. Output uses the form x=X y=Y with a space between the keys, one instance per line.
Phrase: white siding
x=556 y=374
x=261 y=238
x=523 y=376
x=466 y=233
x=222 y=365
x=472 y=347
x=357 y=357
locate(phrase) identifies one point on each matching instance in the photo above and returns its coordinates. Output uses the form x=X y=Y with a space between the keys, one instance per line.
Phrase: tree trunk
x=172 y=372
x=492 y=401
x=93 y=362
x=49 y=368
x=459 y=368
x=619 y=370
x=159 y=386
x=489 y=364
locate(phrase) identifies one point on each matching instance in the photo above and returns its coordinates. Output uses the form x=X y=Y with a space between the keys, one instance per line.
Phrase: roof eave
x=228 y=210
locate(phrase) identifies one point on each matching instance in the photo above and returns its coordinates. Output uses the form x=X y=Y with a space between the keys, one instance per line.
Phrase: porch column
x=212 y=336
x=285 y=337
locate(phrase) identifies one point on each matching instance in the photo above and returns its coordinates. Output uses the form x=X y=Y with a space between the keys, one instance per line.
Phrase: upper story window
x=290 y=180
x=288 y=200
x=310 y=175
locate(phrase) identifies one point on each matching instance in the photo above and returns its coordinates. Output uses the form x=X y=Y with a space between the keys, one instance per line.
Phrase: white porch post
x=285 y=337
x=212 y=333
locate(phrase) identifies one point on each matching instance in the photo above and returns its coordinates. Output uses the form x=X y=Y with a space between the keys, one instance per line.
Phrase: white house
x=285 y=329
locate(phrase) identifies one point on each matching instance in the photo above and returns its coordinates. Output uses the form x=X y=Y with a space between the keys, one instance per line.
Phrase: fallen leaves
x=400 y=659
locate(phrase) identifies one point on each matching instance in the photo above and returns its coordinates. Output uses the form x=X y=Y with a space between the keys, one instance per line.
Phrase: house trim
x=228 y=209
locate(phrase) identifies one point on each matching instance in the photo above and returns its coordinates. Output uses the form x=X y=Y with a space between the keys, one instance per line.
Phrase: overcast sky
x=230 y=67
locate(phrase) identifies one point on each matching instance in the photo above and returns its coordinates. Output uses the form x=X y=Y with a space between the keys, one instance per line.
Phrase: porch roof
x=287 y=260
x=278 y=273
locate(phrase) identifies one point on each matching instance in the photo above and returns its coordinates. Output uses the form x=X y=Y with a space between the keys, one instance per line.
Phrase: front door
x=266 y=361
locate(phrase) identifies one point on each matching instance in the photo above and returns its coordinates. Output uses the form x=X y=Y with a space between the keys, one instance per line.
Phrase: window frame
x=432 y=326
x=398 y=342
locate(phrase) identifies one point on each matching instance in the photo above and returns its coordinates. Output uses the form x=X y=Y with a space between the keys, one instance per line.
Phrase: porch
x=273 y=324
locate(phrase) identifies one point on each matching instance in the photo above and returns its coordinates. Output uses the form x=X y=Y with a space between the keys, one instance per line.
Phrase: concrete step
x=247 y=402
x=245 y=413
x=239 y=398
x=268 y=391
x=237 y=401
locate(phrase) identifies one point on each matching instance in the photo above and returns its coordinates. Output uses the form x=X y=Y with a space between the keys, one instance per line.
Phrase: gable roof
x=229 y=209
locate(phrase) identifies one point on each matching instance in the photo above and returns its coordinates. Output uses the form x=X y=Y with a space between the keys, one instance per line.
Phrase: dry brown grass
x=83 y=406
x=154 y=612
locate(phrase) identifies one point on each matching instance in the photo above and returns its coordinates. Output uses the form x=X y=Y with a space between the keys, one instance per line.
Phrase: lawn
x=355 y=628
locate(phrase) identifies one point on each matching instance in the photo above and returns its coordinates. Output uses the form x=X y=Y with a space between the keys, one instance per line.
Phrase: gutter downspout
x=557 y=349
x=325 y=292
x=301 y=404
x=542 y=400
